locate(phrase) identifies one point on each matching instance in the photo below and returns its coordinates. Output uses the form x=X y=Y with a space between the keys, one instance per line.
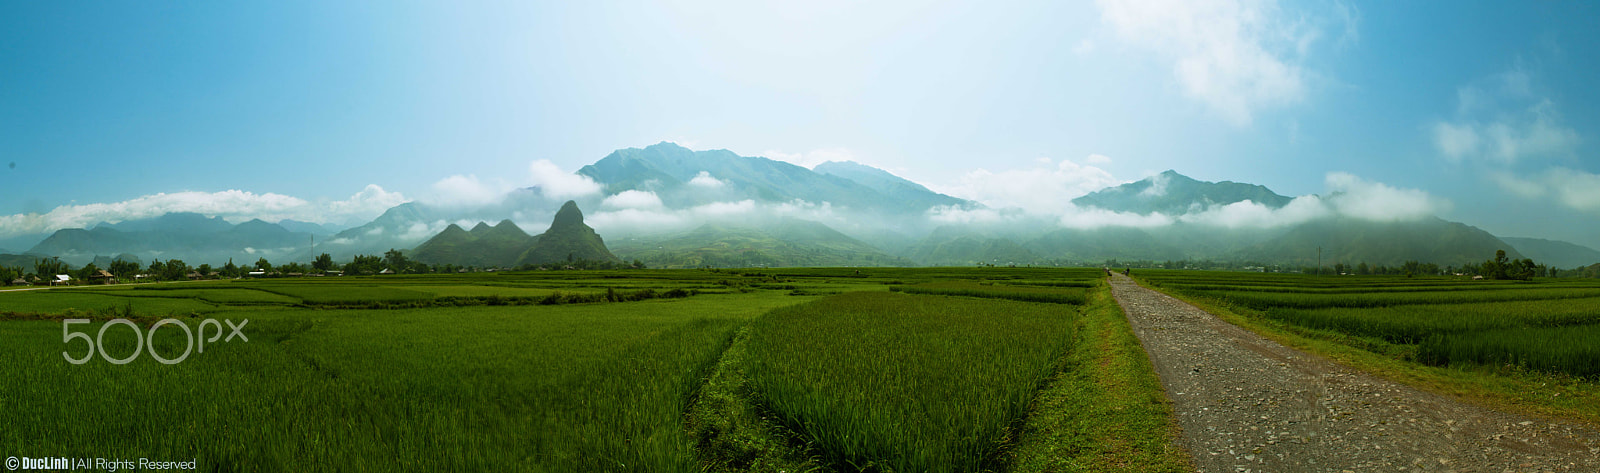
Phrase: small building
x=61 y=280
x=103 y=277
x=386 y=271
x=20 y=282
x=1477 y=277
x=194 y=275
x=256 y=274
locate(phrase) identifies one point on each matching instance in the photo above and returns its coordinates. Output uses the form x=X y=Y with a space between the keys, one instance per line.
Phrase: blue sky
x=333 y=111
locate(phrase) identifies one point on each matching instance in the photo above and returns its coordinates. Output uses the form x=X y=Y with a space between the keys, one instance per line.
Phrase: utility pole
x=1319 y=261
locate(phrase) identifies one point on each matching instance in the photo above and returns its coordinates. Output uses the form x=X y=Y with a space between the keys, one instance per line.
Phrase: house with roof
x=61 y=280
x=103 y=277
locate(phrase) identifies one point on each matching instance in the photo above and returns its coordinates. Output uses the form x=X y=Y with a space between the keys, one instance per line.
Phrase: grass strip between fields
x=1106 y=409
x=734 y=434
x=1503 y=388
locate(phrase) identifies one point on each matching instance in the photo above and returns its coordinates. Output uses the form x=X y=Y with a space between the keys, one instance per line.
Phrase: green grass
x=60 y=301
x=449 y=372
x=1410 y=324
x=906 y=383
x=1106 y=411
x=216 y=295
x=1571 y=350
x=346 y=294
x=542 y=388
x=1070 y=295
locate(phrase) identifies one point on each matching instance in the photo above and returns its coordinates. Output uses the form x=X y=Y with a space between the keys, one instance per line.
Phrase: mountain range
x=835 y=214
x=507 y=246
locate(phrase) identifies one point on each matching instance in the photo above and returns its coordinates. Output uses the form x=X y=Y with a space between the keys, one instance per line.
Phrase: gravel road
x=1248 y=404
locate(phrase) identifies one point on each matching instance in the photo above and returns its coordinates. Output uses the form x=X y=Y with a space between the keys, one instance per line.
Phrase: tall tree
x=323 y=262
x=263 y=265
x=124 y=269
x=48 y=268
x=176 y=270
x=395 y=260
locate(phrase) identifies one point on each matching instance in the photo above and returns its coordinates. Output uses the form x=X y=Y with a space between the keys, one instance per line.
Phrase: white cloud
x=660 y=219
x=557 y=184
x=1093 y=217
x=1576 y=189
x=705 y=180
x=370 y=202
x=1158 y=186
x=421 y=231
x=812 y=158
x=1095 y=159
x=233 y=205
x=1501 y=120
x=632 y=199
x=722 y=209
x=1044 y=189
x=1356 y=197
x=1455 y=140
x=1234 y=56
x=1249 y=214
x=954 y=214
x=1579 y=190
x=805 y=210
x=467 y=191
x=1515 y=185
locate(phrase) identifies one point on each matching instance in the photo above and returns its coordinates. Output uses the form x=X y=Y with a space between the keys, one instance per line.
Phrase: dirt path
x=1246 y=403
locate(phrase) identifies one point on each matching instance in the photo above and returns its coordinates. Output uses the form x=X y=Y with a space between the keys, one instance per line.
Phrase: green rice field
x=1547 y=325
x=819 y=369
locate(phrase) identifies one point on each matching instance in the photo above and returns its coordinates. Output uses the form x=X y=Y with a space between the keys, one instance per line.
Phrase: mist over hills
x=680 y=177
x=673 y=207
x=1556 y=253
x=187 y=236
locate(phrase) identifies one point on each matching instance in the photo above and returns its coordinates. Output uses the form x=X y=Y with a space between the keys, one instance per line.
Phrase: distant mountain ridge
x=787 y=242
x=484 y=246
x=1175 y=194
x=192 y=237
x=505 y=245
x=682 y=178
x=568 y=239
x=876 y=218
x=1555 y=253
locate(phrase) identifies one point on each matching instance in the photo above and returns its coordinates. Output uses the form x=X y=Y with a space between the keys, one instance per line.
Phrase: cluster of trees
x=1409 y=268
x=581 y=263
x=1502 y=267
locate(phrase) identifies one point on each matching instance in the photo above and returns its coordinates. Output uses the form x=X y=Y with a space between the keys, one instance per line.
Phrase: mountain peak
x=568 y=216
x=1172 y=193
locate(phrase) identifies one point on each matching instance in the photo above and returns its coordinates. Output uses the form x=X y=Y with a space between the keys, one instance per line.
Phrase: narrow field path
x=1246 y=403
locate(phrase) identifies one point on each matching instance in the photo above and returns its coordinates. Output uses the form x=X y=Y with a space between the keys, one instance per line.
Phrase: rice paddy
x=1549 y=325
x=566 y=371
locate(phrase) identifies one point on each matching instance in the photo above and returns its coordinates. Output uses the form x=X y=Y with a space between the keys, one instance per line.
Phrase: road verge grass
x=1506 y=388
x=1105 y=410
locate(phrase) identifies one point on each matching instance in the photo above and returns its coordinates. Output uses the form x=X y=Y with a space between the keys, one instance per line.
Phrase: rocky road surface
x=1248 y=404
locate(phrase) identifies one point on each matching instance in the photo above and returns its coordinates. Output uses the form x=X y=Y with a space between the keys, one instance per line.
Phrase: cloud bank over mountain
x=233 y=205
